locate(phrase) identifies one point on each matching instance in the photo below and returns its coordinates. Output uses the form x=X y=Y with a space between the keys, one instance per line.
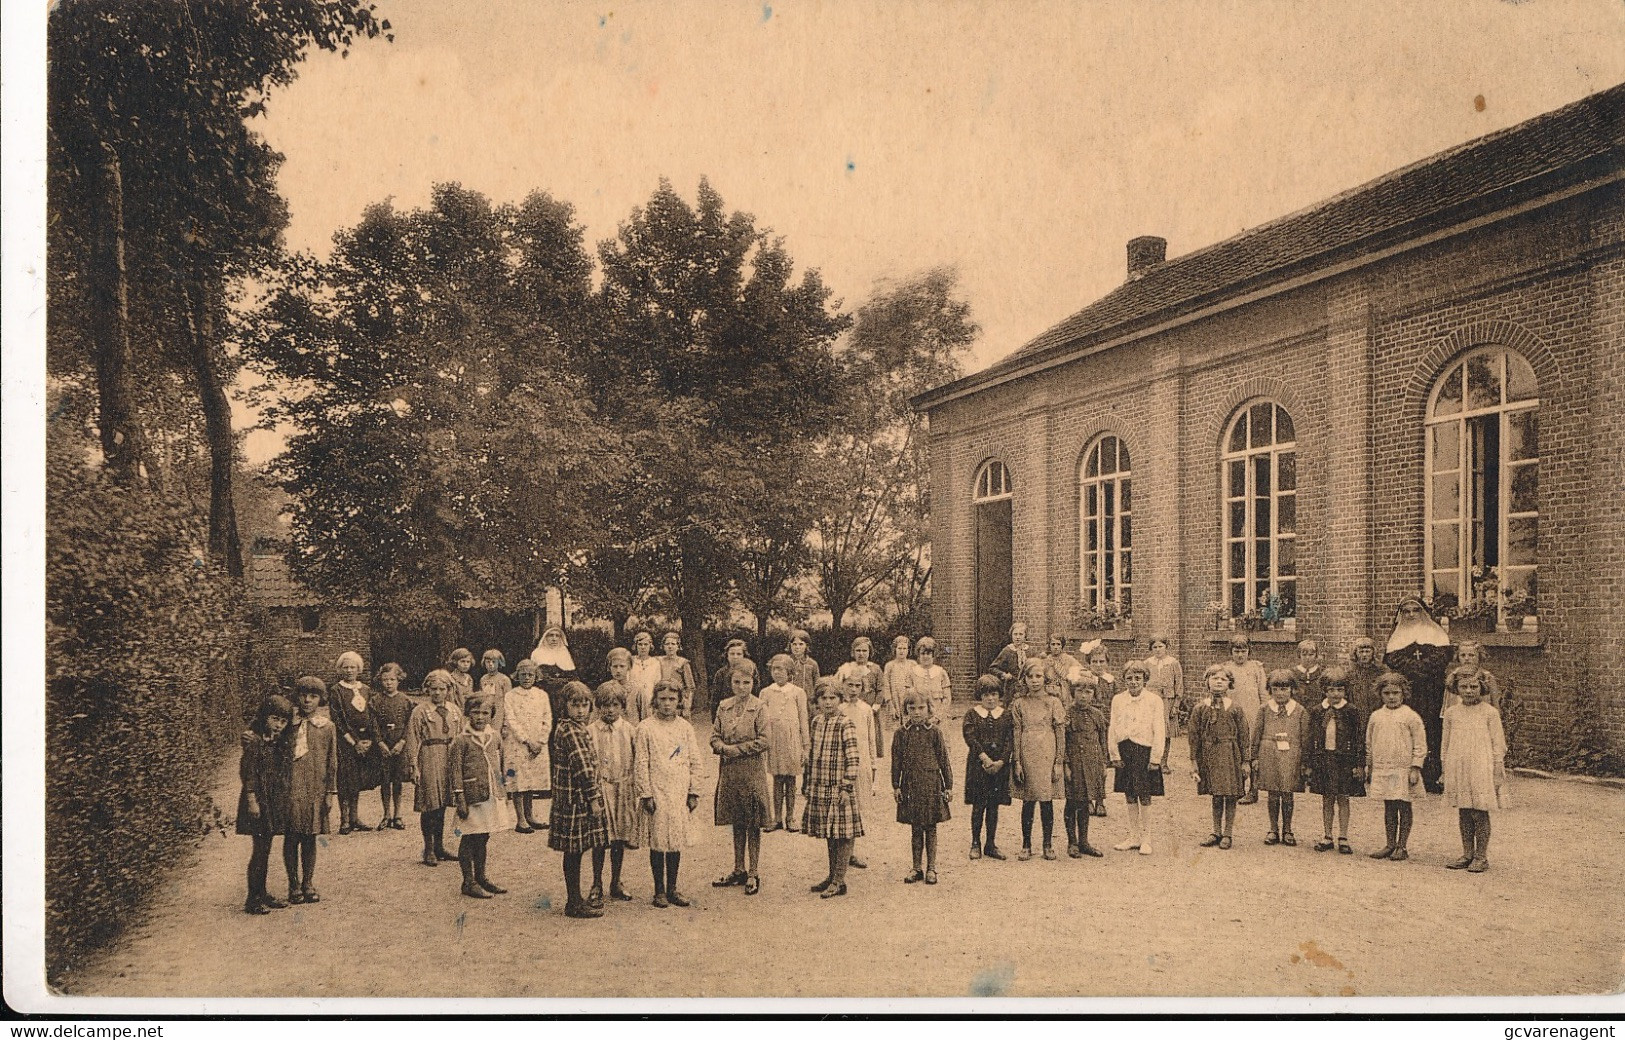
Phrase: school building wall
x=1353 y=358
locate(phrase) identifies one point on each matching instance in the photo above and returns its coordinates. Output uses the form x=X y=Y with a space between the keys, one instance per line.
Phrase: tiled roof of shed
x=1574 y=143
x=270 y=584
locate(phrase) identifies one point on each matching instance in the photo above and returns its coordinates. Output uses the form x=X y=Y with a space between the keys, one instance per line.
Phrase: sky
x=1022 y=142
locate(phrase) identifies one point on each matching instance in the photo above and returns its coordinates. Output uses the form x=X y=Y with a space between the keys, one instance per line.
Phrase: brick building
x=1415 y=387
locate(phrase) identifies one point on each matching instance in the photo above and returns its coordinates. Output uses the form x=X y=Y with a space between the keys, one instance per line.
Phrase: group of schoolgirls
x=1038 y=734
x=621 y=766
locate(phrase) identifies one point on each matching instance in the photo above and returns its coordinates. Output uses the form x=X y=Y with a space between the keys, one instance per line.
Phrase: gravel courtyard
x=1548 y=918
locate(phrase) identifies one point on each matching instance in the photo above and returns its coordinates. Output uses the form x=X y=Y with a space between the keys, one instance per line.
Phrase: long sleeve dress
x=1040 y=747
x=640 y=688
x=991 y=734
x=1248 y=691
x=866 y=727
x=830 y=779
x=1007 y=666
x=938 y=689
x=529 y=718
x=896 y=679
x=1086 y=753
x=474 y=766
x=921 y=773
x=264 y=772
x=804 y=672
x=350 y=707
x=739 y=739
x=666 y=767
x=577 y=820
x=1168 y=682
x=1474 y=757
x=313 y=774
x=1337 y=750
x=1278 y=747
x=429 y=737
x=394 y=714
x=1395 y=742
x=616 y=769
x=787 y=734
x=494 y=687
x=1217 y=735
x=681 y=672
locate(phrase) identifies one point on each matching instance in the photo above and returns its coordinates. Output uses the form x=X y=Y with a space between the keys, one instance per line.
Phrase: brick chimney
x=1144 y=253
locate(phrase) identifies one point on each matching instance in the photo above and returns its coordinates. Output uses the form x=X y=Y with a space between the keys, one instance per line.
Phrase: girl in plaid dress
x=829 y=784
x=578 y=820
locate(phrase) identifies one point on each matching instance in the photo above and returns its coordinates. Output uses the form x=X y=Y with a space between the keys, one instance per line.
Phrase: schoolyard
x=1548 y=917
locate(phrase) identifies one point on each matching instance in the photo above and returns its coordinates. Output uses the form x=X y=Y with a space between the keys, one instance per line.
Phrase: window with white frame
x=1260 y=524
x=993 y=482
x=1105 y=528
x=1483 y=465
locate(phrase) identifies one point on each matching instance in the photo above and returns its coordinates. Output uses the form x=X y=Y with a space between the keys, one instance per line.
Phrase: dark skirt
x=1134 y=776
x=742 y=796
x=1334 y=775
x=922 y=805
x=984 y=789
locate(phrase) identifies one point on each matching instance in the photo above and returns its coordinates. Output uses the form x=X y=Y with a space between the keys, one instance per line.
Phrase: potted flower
x=1518 y=607
x=1105 y=618
x=1220 y=613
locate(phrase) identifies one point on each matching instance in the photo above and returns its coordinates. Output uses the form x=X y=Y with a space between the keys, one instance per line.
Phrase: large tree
x=873 y=504
x=161 y=195
x=444 y=449
x=714 y=362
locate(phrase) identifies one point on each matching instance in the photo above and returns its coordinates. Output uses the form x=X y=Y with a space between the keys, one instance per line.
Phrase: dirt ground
x=1547 y=918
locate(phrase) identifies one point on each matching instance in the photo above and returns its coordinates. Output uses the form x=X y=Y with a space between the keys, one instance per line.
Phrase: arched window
x=1105 y=527
x=1260 y=524
x=1483 y=464
x=993 y=482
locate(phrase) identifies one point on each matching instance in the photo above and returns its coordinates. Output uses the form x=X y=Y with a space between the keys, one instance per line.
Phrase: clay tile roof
x=1568 y=146
x=270 y=585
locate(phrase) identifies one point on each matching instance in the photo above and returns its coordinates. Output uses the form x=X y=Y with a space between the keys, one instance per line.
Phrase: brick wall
x=1353 y=360
x=290 y=652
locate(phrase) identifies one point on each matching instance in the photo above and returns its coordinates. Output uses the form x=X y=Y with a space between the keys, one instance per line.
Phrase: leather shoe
x=1210 y=841
x=494 y=889
x=833 y=891
x=1460 y=864
x=677 y=899
x=473 y=891
x=913 y=876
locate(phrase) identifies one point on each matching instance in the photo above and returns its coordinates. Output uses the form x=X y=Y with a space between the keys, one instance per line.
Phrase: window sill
x=1533 y=639
x=1263 y=635
x=1123 y=634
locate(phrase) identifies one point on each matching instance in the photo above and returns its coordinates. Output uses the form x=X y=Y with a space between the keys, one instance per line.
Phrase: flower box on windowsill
x=1264 y=635
x=1123 y=633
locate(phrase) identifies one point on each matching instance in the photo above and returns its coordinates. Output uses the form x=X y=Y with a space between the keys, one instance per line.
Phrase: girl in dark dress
x=393 y=710
x=350 y=705
x=1336 y=756
x=921 y=778
x=990 y=739
x=579 y=819
x=262 y=807
x=1086 y=758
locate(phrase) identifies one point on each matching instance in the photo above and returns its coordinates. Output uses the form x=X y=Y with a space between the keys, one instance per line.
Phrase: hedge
x=142 y=699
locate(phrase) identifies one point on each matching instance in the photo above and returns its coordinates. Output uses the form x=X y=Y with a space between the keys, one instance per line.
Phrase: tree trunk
x=224 y=540
x=123 y=442
x=761 y=633
x=836 y=614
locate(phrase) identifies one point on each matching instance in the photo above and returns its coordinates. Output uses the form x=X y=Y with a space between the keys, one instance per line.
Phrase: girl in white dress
x=527 y=726
x=1474 y=758
x=666 y=776
x=787 y=739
